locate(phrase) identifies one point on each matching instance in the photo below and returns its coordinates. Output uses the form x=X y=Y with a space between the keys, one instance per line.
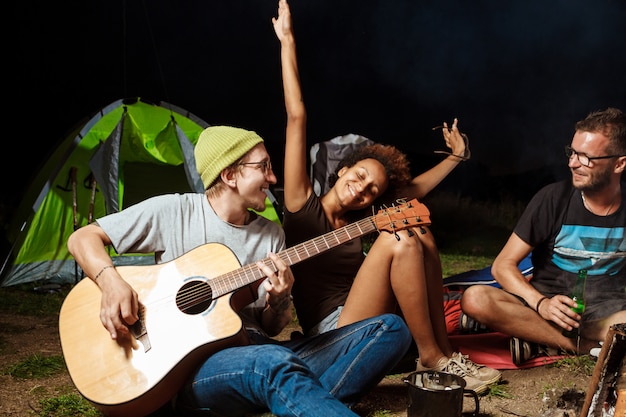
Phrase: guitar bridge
x=138 y=329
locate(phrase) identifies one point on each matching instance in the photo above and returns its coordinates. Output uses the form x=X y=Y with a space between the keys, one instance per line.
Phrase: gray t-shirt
x=174 y=224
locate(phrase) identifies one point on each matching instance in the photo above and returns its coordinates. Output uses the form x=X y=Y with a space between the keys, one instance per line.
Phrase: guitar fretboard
x=248 y=274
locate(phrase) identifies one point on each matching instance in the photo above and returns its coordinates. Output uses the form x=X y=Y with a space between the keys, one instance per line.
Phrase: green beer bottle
x=578 y=295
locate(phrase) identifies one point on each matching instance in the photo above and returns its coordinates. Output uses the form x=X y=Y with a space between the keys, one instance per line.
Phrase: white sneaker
x=477 y=377
x=481 y=372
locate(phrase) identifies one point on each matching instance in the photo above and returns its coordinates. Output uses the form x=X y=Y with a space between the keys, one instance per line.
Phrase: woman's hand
x=456 y=141
x=282 y=23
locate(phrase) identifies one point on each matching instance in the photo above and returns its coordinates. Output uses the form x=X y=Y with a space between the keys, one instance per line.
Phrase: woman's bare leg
x=393 y=274
x=434 y=283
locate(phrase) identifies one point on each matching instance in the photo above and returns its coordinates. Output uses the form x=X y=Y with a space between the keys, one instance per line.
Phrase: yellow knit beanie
x=218 y=147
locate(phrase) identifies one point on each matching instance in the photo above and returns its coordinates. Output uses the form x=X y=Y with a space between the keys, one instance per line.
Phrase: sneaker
x=521 y=350
x=441 y=364
x=485 y=375
x=481 y=372
x=595 y=352
x=472 y=373
x=468 y=325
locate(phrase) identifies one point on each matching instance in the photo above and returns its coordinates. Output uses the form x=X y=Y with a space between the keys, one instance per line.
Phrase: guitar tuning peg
x=397 y=236
x=422 y=230
x=410 y=232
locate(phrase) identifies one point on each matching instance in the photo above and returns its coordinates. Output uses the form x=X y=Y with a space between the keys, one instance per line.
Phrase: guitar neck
x=248 y=274
x=320 y=244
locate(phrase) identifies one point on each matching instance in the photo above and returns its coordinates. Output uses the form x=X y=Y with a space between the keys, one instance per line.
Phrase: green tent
x=126 y=152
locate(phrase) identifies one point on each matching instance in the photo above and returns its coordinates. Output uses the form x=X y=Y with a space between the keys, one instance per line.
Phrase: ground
x=538 y=392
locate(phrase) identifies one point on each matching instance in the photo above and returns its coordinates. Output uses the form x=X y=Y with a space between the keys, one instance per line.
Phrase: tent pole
x=93 y=198
x=73 y=176
x=6 y=260
x=92 y=201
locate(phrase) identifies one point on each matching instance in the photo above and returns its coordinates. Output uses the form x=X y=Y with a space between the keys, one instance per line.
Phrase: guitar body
x=138 y=374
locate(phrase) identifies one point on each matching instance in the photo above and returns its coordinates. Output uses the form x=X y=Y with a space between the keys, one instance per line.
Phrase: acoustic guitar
x=188 y=310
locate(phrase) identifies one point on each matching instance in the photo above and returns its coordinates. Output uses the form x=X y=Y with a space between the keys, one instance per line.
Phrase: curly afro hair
x=393 y=160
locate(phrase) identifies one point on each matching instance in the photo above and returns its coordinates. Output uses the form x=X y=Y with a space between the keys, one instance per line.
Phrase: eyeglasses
x=584 y=159
x=265 y=166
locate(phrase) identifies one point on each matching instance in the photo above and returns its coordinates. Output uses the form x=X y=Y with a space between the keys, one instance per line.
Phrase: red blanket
x=492 y=349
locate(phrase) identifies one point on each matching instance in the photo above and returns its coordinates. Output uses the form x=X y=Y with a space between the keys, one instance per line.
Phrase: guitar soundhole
x=194 y=297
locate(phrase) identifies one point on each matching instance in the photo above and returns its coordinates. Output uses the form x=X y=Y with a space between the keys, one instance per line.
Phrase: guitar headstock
x=407 y=214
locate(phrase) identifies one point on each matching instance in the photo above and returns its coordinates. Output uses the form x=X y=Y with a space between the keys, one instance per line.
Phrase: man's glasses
x=584 y=159
x=265 y=166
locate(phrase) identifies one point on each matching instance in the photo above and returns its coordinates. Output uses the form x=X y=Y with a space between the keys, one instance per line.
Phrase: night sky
x=517 y=74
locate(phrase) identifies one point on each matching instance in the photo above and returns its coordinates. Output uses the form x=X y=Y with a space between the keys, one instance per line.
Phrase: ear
x=620 y=166
x=342 y=171
x=229 y=176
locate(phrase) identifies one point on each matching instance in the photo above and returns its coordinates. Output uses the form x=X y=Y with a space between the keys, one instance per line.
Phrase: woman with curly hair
x=402 y=271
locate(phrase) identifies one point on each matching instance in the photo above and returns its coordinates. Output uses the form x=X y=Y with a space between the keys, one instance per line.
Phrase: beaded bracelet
x=102 y=270
x=539 y=303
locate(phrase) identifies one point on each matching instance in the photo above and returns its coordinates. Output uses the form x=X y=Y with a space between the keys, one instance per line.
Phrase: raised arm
x=424 y=183
x=297 y=184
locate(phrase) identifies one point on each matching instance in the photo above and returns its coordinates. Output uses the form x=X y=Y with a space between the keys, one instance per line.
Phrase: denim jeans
x=310 y=376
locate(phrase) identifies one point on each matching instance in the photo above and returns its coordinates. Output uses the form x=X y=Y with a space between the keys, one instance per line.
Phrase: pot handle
x=408 y=382
x=475 y=396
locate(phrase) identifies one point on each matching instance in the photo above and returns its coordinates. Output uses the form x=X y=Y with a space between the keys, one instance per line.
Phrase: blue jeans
x=310 y=376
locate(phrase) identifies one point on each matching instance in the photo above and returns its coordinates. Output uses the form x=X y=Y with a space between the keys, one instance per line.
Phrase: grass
x=23 y=300
x=67 y=405
x=582 y=364
x=36 y=366
x=469 y=236
x=499 y=390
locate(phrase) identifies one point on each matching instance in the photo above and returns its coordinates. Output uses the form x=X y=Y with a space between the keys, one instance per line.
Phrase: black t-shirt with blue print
x=567 y=237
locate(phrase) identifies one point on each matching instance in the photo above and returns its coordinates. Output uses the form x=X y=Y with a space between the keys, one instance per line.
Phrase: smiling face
x=599 y=172
x=359 y=185
x=254 y=177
